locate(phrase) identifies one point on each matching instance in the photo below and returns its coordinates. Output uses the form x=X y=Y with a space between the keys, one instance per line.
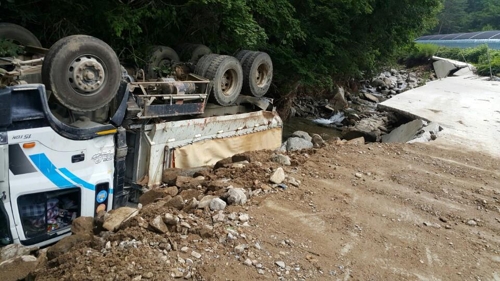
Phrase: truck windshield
x=5 y=237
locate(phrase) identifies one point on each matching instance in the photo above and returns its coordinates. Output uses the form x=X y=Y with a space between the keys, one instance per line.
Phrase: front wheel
x=82 y=72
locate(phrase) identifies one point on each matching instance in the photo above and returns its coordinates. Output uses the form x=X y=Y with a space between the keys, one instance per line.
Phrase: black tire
x=243 y=53
x=18 y=34
x=226 y=75
x=193 y=52
x=257 y=74
x=203 y=64
x=82 y=72
x=159 y=56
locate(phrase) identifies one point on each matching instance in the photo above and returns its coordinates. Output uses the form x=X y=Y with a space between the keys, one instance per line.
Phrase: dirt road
x=360 y=212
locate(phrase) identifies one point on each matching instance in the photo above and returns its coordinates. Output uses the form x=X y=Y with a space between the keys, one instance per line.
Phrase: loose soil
x=361 y=212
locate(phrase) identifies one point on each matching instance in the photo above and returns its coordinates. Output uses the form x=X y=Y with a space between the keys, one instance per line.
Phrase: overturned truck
x=79 y=132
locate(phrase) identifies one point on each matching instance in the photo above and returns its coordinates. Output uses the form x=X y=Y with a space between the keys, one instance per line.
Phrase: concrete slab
x=443 y=68
x=404 y=133
x=467 y=107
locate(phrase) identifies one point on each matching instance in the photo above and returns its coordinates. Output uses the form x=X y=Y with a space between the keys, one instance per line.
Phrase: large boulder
x=17 y=268
x=117 y=217
x=236 y=196
x=15 y=250
x=82 y=225
x=302 y=134
x=294 y=144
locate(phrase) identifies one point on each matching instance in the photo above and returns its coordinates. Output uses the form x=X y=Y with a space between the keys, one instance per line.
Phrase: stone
x=242 y=157
x=302 y=134
x=83 y=225
x=191 y=204
x=171 y=190
x=223 y=162
x=294 y=144
x=15 y=250
x=170 y=175
x=205 y=201
x=293 y=181
x=239 y=248
x=170 y=219
x=158 y=225
x=357 y=141
x=472 y=223
x=206 y=231
x=236 y=196
x=190 y=193
x=217 y=204
x=339 y=101
x=219 y=217
x=244 y=217
x=177 y=202
x=217 y=185
x=404 y=133
x=117 y=217
x=378 y=83
x=196 y=255
x=281 y=159
x=358 y=175
x=318 y=141
x=66 y=244
x=17 y=268
x=281 y=264
x=248 y=262
x=371 y=97
x=278 y=176
x=184 y=249
x=188 y=183
x=152 y=196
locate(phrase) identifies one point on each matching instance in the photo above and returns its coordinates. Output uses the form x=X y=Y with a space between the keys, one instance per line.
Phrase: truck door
x=54 y=180
x=5 y=226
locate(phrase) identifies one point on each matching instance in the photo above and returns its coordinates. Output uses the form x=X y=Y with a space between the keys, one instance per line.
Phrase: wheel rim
x=86 y=75
x=228 y=82
x=262 y=75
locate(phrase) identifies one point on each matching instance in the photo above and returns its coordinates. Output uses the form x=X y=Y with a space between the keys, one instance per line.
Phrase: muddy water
x=303 y=124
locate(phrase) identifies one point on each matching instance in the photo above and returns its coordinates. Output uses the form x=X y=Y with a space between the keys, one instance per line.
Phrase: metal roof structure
x=464 y=40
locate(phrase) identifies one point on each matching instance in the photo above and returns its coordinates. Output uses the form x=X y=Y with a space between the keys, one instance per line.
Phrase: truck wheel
x=227 y=79
x=160 y=56
x=203 y=64
x=82 y=72
x=18 y=34
x=241 y=55
x=257 y=74
x=193 y=52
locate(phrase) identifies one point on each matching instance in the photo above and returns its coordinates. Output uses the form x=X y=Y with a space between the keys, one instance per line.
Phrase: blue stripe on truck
x=76 y=179
x=49 y=170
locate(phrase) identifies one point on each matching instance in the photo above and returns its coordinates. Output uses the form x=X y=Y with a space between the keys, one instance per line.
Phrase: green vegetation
x=467 y=16
x=479 y=56
x=313 y=43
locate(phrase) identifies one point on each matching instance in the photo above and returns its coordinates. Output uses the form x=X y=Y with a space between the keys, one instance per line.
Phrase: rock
x=196 y=255
x=170 y=219
x=184 y=249
x=83 y=225
x=170 y=175
x=358 y=175
x=293 y=182
x=217 y=204
x=219 y=217
x=171 y=190
x=371 y=97
x=404 y=133
x=281 y=264
x=152 y=196
x=15 y=250
x=248 y=262
x=206 y=231
x=278 y=176
x=239 y=248
x=190 y=193
x=236 y=196
x=472 y=223
x=318 y=141
x=242 y=157
x=119 y=216
x=188 y=183
x=177 y=202
x=17 y=268
x=64 y=245
x=378 y=83
x=281 y=159
x=205 y=201
x=191 y=204
x=223 y=162
x=217 y=185
x=302 y=134
x=357 y=141
x=294 y=144
x=339 y=102
x=244 y=217
x=158 y=225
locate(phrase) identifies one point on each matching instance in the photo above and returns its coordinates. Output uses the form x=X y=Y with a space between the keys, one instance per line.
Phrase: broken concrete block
x=443 y=68
x=404 y=133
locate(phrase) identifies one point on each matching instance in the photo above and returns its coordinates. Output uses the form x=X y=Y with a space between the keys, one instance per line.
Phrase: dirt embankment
x=353 y=212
